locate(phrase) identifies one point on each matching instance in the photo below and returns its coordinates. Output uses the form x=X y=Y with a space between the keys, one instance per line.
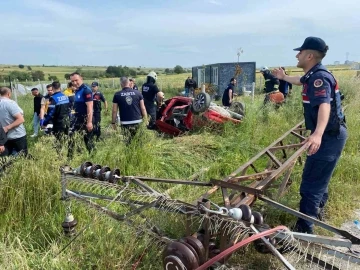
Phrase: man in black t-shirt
x=151 y=94
x=228 y=94
x=98 y=97
x=38 y=101
x=130 y=104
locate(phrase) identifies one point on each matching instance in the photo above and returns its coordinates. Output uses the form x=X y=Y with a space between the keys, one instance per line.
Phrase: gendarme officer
x=324 y=118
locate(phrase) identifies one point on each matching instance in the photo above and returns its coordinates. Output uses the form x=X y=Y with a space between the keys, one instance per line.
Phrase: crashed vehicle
x=180 y=114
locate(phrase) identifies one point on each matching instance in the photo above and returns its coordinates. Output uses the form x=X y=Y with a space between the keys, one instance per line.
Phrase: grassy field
x=31 y=212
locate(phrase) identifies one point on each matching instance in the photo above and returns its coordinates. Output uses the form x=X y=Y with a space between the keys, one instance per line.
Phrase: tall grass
x=31 y=211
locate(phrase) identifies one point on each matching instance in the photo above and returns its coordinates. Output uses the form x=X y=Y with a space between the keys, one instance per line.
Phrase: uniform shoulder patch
x=318 y=82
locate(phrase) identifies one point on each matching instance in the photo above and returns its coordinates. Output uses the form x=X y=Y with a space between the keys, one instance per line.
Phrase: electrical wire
x=242 y=243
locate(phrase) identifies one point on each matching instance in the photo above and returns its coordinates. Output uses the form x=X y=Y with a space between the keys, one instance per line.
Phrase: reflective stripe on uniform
x=131 y=122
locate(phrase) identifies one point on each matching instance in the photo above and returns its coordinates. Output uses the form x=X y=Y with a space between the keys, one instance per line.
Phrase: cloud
x=215 y=2
x=46 y=29
x=58 y=10
x=179 y=49
x=114 y=48
x=276 y=18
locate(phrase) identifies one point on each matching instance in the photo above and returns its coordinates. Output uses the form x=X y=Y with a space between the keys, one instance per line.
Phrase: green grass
x=31 y=211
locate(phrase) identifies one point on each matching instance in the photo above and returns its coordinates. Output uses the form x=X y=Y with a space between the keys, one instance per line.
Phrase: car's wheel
x=201 y=103
x=238 y=107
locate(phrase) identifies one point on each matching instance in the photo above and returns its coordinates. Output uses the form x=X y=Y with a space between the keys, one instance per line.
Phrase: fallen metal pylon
x=230 y=225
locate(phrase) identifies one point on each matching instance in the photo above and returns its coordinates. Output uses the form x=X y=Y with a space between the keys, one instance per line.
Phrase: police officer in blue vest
x=325 y=119
x=83 y=106
x=58 y=114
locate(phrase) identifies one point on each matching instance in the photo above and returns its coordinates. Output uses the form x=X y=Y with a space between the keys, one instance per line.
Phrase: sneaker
x=33 y=136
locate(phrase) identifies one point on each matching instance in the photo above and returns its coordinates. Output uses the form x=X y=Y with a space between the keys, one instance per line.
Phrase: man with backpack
x=325 y=119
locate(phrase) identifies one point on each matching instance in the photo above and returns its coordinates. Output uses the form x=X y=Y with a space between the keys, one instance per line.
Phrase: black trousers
x=151 y=110
x=79 y=126
x=97 y=128
x=19 y=145
x=129 y=132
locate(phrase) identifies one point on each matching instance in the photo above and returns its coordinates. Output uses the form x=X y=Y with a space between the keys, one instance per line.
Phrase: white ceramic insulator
x=69 y=218
x=87 y=170
x=252 y=219
x=235 y=213
x=107 y=175
x=97 y=173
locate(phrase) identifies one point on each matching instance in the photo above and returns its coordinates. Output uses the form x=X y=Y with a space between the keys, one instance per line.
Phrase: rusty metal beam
x=273 y=158
x=289 y=146
x=298 y=135
x=144 y=186
x=251 y=161
x=249 y=199
x=285 y=180
x=224 y=184
x=171 y=181
x=255 y=176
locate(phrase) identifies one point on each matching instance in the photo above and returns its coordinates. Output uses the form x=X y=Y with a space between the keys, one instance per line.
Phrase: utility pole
x=239 y=52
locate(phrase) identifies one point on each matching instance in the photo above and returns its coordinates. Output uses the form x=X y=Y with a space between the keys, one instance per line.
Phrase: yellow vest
x=68 y=92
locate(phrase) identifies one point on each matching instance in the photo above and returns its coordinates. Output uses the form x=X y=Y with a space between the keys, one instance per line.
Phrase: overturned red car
x=180 y=114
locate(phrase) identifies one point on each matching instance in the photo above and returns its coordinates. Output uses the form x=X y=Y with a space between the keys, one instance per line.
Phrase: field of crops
x=31 y=211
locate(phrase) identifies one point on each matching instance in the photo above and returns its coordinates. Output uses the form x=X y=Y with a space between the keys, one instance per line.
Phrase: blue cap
x=95 y=84
x=313 y=43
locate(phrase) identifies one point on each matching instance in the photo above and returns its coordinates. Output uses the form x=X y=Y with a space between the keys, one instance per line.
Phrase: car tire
x=238 y=107
x=201 y=103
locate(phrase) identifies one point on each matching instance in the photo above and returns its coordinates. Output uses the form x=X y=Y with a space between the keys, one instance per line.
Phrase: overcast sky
x=159 y=33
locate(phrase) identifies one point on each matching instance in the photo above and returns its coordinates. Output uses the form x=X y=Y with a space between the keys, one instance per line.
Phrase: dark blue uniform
x=98 y=97
x=59 y=115
x=128 y=101
x=225 y=97
x=319 y=86
x=284 y=87
x=82 y=95
x=149 y=92
x=58 y=112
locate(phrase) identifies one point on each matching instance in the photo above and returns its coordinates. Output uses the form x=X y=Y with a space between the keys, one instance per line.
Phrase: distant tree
x=142 y=72
x=67 y=76
x=38 y=75
x=21 y=66
x=19 y=75
x=167 y=70
x=178 y=69
x=113 y=71
x=53 y=78
x=29 y=68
